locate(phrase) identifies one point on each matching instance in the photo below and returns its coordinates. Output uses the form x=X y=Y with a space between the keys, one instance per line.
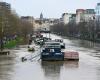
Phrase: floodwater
x=87 y=68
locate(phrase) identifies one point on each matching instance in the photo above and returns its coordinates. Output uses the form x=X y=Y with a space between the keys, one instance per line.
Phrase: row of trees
x=11 y=24
x=84 y=30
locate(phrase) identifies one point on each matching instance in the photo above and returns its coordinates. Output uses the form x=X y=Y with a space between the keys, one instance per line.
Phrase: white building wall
x=66 y=18
x=79 y=17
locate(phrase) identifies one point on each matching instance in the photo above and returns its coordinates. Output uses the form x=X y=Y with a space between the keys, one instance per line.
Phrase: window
x=51 y=50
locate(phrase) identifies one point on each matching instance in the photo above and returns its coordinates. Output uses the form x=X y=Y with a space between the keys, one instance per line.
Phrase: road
x=87 y=68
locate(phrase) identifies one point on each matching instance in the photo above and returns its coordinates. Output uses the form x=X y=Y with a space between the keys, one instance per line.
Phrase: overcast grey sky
x=50 y=8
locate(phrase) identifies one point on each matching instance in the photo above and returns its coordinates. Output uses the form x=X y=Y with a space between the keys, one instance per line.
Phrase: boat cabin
x=52 y=51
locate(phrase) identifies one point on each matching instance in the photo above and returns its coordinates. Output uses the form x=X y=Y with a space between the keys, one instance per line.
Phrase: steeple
x=41 y=16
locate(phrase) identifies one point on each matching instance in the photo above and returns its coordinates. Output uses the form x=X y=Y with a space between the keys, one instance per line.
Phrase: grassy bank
x=13 y=43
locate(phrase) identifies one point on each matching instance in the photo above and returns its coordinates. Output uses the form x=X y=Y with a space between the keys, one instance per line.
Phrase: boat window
x=51 y=50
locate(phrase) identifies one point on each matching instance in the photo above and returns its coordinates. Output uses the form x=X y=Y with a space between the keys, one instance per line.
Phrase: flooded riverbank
x=87 y=68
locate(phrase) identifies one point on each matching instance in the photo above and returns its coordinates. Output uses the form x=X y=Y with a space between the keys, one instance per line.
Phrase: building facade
x=5 y=5
x=80 y=15
x=85 y=15
x=89 y=15
x=97 y=11
x=66 y=18
x=73 y=18
x=30 y=19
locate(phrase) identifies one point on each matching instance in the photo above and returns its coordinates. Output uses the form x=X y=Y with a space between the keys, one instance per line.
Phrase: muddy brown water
x=87 y=68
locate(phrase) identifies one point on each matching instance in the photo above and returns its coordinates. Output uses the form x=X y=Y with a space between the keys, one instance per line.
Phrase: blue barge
x=52 y=51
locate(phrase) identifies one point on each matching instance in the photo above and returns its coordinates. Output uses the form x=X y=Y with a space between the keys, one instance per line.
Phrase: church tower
x=41 y=16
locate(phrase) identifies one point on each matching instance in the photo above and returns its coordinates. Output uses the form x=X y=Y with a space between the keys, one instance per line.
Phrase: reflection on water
x=98 y=73
x=84 y=69
x=84 y=43
x=52 y=69
x=71 y=64
x=87 y=44
x=6 y=67
x=93 y=49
